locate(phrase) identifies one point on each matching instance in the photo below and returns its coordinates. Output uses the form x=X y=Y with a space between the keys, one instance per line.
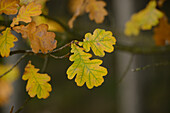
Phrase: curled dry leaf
x=25 y=13
x=9 y=7
x=37 y=83
x=39 y=38
x=162 y=32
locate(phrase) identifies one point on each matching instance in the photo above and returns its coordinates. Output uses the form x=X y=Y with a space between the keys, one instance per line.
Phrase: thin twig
x=126 y=70
x=45 y=63
x=60 y=57
x=66 y=45
x=26 y=101
x=17 y=62
x=30 y=52
x=12 y=108
x=151 y=65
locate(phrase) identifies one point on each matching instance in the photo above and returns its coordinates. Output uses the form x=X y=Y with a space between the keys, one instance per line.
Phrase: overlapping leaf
x=25 y=13
x=86 y=70
x=96 y=10
x=37 y=83
x=99 y=42
x=7 y=40
x=9 y=7
x=144 y=19
x=39 y=37
x=162 y=32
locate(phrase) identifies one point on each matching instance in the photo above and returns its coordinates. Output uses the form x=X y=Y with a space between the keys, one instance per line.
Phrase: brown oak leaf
x=162 y=32
x=39 y=38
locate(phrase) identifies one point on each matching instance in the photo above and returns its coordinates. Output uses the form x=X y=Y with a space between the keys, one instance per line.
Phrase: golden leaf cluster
x=145 y=19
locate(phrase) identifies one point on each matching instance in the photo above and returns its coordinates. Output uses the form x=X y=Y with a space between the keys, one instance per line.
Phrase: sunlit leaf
x=37 y=83
x=26 y=12
x=86 y=70
x=9 y=7
x=99 y=42
x=7 y=40
x=162 y=32
x=145 y=19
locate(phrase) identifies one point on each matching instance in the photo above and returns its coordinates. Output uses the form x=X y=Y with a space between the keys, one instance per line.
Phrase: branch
x=45 y=63
x=26 y=101
x=30 y=52
x=126 y=70
x=12 y=108
x=60 y=57
x=143 y=50
x=17 y=62
x=151 y=65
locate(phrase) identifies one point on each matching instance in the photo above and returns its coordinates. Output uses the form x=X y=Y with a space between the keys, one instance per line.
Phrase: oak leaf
x=144 y=19
x=39 y=38
x=96 y=10
x=37 y=83
x=86 y=70
x=7 y=40
x=99 y=42
x=25 y=13
x=9 y=7
x=162 y=32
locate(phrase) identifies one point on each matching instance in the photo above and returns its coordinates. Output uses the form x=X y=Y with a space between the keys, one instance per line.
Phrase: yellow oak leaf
x=144 y=19
x=39 y=38
x=53 y=26
x=96 y=10
x=41 y=2
x=7 y=40
x=86 y=70
x=9 y=7
x=162 y=32
x=99 y=42
x=37 y=83
x=25 y=13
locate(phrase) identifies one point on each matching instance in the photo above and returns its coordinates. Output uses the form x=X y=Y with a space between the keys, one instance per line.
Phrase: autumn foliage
x=39 y=31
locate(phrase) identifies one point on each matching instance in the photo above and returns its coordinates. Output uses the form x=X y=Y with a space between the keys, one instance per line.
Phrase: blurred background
x=124 y=91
